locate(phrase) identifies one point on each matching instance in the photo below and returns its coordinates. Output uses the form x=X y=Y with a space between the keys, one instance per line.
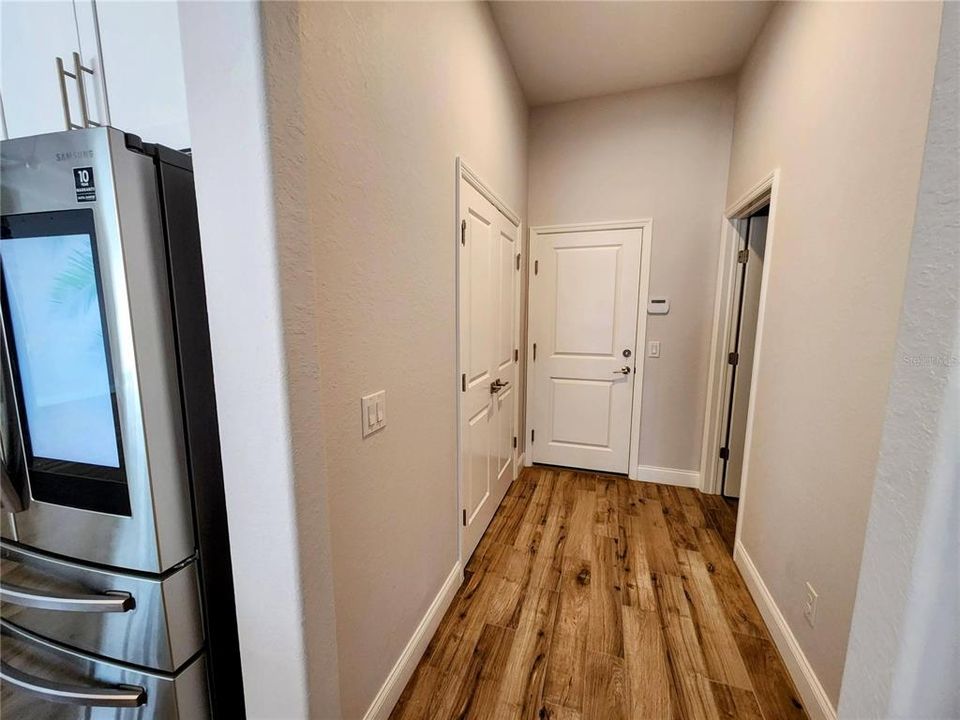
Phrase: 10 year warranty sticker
x=83 y=180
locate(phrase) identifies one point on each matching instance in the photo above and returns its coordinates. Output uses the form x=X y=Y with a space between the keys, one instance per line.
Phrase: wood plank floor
x=593 y=597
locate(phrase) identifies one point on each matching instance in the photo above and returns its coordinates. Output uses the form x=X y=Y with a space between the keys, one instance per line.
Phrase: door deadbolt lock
x=627 y=353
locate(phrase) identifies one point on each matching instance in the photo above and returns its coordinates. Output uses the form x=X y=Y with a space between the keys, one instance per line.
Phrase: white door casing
x=585 y=289
x=488 y=326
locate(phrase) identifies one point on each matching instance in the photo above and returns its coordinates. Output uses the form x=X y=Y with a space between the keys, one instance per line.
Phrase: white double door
x=584 y=293
x=489 y=290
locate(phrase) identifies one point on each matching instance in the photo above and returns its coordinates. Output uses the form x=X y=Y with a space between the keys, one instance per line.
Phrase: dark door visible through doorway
x=741 y=347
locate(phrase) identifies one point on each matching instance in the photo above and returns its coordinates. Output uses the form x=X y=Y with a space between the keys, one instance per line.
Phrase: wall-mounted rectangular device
x=658 y=306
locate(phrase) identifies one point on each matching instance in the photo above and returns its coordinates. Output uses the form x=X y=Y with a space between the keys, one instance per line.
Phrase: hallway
x=592 y=596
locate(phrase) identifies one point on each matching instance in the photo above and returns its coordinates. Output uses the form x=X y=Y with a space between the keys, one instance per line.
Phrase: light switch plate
x=373 y=412
x=653 y=349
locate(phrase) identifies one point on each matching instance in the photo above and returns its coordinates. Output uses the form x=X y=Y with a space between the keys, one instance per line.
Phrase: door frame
x=734 y=229
x=645 y=225
x=465 y=173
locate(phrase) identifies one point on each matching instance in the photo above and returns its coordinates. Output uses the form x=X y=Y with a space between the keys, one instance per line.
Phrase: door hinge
x=516 y=355
x=724 y=453
x=518 y=261
x=743 y=256
x=514 y=442
x=463 y=232
x=733 y=358
x=534 y=352
x=533 y=436
x=463 y=382
x=464 y=517
x=536 y=267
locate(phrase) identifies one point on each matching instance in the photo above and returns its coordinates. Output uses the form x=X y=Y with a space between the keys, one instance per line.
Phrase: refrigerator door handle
x=116 y=696
x=109 y=602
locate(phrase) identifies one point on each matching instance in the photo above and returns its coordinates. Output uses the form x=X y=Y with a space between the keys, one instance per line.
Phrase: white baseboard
x=396 y=681
x=814 y=697
x=669 y=476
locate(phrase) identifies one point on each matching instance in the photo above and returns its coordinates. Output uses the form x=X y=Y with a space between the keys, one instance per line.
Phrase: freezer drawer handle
x=109 y=602
x=117 y=696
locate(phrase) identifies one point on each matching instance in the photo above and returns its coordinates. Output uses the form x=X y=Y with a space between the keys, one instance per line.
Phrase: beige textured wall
x=904 y=655
x=836 y=95
x=263 y=334
x=661 y=153
x=391 y=94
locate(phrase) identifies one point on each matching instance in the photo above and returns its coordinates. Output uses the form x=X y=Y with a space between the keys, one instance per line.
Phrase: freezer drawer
x=42 y=680
x=136 y=619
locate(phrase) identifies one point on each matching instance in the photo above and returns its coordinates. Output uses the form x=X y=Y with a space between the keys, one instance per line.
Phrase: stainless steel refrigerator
x=117 y=592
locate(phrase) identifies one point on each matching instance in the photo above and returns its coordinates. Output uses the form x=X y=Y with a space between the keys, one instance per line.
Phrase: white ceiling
x=569 y=50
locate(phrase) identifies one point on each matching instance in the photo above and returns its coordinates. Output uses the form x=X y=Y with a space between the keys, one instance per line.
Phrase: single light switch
x=373 y=412
x=653 y=349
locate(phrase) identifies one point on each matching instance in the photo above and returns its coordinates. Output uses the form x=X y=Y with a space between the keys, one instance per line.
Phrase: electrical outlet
x=810 y=605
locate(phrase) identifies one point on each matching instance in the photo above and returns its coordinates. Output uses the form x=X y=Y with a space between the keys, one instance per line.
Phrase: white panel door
x=487 y=286
x=583 y=333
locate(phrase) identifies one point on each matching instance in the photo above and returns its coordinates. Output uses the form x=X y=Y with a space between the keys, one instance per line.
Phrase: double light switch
x=373 y=410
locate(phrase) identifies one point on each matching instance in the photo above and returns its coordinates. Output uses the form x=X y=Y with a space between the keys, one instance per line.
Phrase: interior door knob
x=625 y=370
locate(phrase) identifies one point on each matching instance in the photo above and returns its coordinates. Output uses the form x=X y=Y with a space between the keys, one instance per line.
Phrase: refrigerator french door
x=114 y=537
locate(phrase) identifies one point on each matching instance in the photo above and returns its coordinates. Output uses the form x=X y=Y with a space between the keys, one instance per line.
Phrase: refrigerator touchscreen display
x=54 y=321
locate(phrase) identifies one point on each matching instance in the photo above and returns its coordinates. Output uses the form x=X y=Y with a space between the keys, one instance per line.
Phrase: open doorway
x=746 y=252
x=740 y=344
